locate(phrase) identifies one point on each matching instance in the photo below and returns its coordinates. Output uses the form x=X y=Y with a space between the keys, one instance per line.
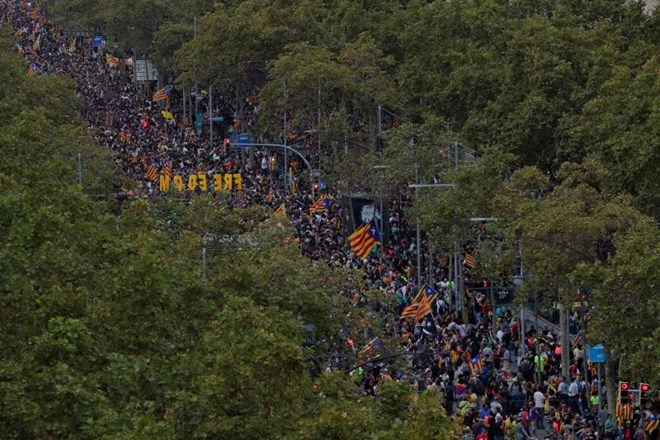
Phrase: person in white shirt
x=539 y=404
x=573 y=391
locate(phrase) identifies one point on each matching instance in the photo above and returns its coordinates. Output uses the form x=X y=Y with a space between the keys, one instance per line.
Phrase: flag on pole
x=476 y=365
x=152 y=173
x=410 y=311
x=32 y=71
x=424 y=308
x=470 y=261
x=368 y=350
x=421 y=304
x=429 y=294
x=269 y=197
x=168 y=169
x=321 y=205
x=161 y=94
x=651 y=423
x=281 y=210
x=364 y=239
x=111 y=59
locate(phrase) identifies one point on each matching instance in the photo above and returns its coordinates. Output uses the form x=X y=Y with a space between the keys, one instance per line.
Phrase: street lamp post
x=286 y=135
x=380 y=195
x=416 y=186
x=211 y=115
x=196 y=84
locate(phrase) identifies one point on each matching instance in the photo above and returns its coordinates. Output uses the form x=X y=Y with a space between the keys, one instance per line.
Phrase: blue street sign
x=596 y=353
x=218 y=119
x=239 y=140
x=243 y=138
x=98 y=41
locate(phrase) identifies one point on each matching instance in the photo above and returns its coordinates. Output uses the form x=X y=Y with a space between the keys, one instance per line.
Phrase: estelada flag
x=281 y=210
x=364 y=239
x=161 y=94
x=410 y=311
x=111 y=59
x=321 y=205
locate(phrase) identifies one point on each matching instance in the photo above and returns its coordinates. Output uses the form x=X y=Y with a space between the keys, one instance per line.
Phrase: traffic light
x=623 y=391
x=315 y=189
x=644 y=392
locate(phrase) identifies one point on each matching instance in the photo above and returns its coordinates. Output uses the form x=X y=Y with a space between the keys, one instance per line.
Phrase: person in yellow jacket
x=467 y=404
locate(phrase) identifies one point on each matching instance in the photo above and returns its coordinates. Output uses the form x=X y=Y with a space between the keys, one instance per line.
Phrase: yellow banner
x=219 y=182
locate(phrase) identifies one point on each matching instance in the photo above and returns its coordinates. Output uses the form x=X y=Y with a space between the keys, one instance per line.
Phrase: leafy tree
x=619 y=126
x=626 y=312
x=571 y=234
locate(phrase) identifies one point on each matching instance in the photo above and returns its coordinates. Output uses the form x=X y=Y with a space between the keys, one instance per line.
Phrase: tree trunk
x=611 y=379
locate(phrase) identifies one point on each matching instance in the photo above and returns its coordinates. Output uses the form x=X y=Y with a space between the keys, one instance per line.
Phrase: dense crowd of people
x=500 y=380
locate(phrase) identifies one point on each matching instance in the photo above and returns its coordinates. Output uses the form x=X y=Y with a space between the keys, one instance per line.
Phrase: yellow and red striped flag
x=152 y=173
x=168 y=169
x=321 y=205
x=410 y=311
x=429 y=294
x=281 y=210
x=161 y=94
x=111 y=59
x=364 y=239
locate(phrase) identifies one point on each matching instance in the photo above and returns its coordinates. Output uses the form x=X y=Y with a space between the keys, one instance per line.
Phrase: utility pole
x=196 y=85
x=286 y=133
x=318 y=127
x=211 y=115
x=380 y=126
x=450 y=275
x=416 y=186
x=492 y=304
x=380 y=195
x=565 y=341
x=419 y=233
x=457 y=256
